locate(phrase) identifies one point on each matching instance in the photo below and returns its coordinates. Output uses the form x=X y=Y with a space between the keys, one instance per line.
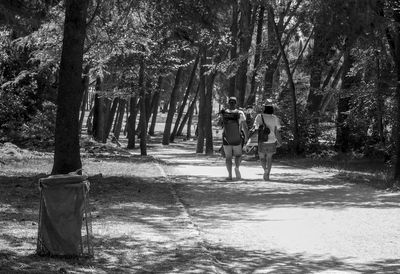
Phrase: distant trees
x=330 y=66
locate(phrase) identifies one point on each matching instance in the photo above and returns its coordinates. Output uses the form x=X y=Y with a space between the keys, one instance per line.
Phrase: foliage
x=25 y=86
x=39 y=130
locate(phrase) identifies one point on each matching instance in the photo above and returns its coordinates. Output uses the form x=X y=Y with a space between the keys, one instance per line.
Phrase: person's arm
x=278 y=132
x=244 y=127
x=221 y=118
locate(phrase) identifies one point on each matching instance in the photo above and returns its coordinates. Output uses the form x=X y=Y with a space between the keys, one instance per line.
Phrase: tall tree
x=260 y=23
x=202 y=116
x=296 y=135
x=391 y=10
x=233 y=49
x=155 y=105
x=67 y=149
x=143 y=112
x=185 y=98
x=245 y=32
x=172 y=107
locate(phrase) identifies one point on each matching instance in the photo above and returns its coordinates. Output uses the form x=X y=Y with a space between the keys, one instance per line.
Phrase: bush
x=41 y=127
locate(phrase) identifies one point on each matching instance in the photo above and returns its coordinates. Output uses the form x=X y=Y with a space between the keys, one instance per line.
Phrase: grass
x=134 y=218
x=372 y=172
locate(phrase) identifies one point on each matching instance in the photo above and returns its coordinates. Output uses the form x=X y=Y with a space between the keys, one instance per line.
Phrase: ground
x=173 y=212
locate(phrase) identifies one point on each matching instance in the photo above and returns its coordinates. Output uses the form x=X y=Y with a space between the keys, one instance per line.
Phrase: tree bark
x=185 y=98
x=148 y=96
x=131 y=123
x=343 y=130
x=334 y=84
x=252 y=96
x=172 y=107
x=208 y=114
x=120 y=118
x=143 y=112
x=323 y=41
x=110 y=118
x=85 y=81
x=67 y=150
x=154 y=106
x=379 y=101
x=296 y=135
x=189 y=119
x=202 y=102
x=270 y=56
x=100 y=113
x=244 y=45
x=187 y=115
x=233 y=51
x=397 y=131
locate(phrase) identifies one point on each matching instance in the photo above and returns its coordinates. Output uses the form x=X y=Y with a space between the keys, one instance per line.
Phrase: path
x=303 y=221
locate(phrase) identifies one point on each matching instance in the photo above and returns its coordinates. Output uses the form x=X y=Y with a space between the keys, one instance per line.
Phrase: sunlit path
x=302 y=221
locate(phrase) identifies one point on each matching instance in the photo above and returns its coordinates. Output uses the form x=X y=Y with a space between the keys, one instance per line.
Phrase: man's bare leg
x=238 y=160
x=228 y=163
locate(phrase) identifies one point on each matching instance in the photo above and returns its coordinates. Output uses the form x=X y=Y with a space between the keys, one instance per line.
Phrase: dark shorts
x=231 y=151
x=264 y=148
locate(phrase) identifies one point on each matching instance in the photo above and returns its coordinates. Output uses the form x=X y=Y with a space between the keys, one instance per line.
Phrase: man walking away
x=234 y=124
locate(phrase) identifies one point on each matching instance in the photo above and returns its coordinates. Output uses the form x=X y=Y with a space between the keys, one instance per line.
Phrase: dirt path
x=303 y=221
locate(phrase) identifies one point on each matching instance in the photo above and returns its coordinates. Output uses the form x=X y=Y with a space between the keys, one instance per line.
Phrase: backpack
x=263 y=131
x=231 y=134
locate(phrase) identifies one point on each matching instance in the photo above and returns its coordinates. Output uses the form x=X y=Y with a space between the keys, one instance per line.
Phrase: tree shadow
x=244 y=261
x=215 y=197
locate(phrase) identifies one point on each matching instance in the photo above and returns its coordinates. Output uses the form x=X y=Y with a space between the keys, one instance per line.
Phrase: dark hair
x=269 y=110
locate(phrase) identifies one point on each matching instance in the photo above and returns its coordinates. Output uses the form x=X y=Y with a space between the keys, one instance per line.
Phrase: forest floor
x=173 y=212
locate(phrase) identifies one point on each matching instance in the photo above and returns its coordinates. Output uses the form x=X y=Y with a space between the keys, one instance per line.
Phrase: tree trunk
x=334 y=84
x=296 y=135
x=208 y=114
x=379 y=101
x=397 y=131
x=154 y=106
x=202 y=102
x=317 y=62
x=110 y=118
x=148 y=97
x=143 y=112
x=187 y=115
x=131 y=123
x=244 y=45
x=233 y=51
x=293 y=69
x=89 y=122
x=67 y=150
x=270 y=57
x=185 y=98
x=172 y=107
x=322 y=43
x=252 y=96
x=85 y=81
x=120 y=118
x=99 y=115
x=343 y=130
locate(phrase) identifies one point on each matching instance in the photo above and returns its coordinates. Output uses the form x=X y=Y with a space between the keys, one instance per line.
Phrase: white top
x=271 y=121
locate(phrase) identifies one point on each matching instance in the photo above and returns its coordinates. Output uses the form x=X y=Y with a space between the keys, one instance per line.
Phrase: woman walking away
x=269 y=138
